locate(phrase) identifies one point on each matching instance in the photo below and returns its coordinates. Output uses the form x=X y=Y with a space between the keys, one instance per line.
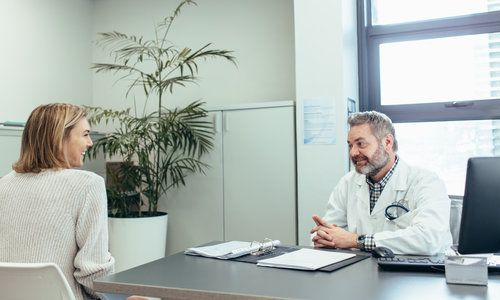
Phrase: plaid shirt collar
x=384 y=180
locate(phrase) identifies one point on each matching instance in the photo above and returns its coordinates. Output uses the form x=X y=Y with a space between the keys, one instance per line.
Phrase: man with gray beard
x=384 y=202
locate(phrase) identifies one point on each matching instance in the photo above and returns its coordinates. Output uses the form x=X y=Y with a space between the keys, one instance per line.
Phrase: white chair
x=455 y=217
x=21 y=281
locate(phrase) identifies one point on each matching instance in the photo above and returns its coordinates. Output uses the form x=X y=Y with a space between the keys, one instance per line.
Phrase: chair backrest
x=455 y=217
x=33 y=281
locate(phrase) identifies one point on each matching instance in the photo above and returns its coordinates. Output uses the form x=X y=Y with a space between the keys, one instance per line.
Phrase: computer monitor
x=480 y=224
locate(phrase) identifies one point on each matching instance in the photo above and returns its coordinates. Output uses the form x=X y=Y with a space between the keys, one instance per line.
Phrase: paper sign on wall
x=319 y=122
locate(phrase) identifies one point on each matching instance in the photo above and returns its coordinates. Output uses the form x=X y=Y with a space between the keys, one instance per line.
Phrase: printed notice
x=319 y=122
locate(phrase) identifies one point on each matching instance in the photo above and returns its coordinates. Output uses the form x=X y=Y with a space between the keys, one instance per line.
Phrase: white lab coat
x=424 y=230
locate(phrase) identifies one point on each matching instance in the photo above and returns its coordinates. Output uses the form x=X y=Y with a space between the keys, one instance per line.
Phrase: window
x=456 y=68
x=444 y=147
x=399 y=11
x=433 y=66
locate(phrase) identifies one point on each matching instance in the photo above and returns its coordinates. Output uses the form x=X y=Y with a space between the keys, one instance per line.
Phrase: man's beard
x=374 y=164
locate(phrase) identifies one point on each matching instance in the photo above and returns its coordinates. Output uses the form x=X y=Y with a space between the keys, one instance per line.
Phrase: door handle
x=458 y=104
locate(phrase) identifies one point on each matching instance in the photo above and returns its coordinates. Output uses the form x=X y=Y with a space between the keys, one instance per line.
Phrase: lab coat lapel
x=395 y=188
x=362 y=195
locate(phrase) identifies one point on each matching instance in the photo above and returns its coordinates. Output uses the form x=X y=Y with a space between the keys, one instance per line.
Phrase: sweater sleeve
x=93 y=259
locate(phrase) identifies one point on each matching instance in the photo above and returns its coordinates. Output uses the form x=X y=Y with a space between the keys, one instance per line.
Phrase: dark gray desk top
x=188 y=277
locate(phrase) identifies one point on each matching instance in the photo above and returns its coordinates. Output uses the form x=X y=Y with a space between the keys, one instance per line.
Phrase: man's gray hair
x=380 y=124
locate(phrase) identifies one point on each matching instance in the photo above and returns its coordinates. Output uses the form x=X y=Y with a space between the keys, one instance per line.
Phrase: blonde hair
x=48 y=126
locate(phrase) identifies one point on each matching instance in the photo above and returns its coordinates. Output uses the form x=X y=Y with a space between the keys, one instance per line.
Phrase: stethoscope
x=396 y=209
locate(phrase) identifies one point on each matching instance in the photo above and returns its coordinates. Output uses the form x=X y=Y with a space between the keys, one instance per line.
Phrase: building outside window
x=433 y=66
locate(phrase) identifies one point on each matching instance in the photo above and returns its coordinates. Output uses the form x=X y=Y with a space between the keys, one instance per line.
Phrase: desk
x=189 y=277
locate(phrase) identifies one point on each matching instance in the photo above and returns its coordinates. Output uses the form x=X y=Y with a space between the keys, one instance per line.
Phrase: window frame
x=370 y=37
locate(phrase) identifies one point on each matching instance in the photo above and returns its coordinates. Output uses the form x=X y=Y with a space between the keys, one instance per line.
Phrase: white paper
x=494 y=260
x=305 y=259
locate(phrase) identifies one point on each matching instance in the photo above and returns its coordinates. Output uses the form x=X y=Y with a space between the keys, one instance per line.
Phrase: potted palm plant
x=159 y=148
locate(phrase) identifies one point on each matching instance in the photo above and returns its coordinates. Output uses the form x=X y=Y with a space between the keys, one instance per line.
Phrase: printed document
x=305 y=259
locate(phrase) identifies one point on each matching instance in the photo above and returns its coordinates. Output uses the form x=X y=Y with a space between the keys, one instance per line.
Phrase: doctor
x=384 y=202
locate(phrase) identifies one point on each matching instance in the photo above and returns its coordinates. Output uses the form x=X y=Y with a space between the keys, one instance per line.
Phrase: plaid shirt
x=376 y=189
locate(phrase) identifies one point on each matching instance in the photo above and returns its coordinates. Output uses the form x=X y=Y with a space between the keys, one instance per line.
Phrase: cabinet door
x=259 y=174
x=10 y=140
x=195 y=211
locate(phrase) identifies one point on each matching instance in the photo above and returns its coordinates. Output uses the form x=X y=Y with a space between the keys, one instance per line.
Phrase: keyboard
x=421 y=263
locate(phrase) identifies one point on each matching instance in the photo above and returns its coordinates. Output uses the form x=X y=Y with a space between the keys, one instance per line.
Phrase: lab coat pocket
x=402 y=222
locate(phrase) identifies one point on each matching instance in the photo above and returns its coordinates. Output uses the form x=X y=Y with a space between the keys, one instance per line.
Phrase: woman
x=51 y=212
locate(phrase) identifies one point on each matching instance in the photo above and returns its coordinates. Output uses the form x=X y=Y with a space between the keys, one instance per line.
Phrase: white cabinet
x=249 y=191
x=10 y=139
x=259 y=174
x=196 y=211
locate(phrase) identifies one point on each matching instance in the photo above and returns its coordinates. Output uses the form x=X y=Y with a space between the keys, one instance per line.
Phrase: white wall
x=47 y=50
x=46 y=53
x=260 y=32
x=326 y=70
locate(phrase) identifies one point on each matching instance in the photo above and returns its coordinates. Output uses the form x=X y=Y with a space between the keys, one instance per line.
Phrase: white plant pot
x=136 y=241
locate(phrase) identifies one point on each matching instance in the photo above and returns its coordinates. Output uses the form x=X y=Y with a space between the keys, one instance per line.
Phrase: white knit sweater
x=57 y=216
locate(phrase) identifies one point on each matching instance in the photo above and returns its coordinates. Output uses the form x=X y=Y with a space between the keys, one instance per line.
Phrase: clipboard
x=280 y=250
x=349 y=261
